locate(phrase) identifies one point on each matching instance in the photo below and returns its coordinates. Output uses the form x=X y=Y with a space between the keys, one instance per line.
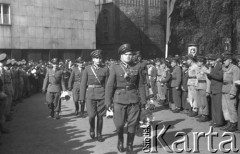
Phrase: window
x=5 y=14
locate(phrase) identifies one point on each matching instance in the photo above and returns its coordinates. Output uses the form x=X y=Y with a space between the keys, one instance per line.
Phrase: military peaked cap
x=124 y=49
x=96 y=54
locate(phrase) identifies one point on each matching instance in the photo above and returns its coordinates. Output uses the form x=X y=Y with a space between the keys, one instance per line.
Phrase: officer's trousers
x=192 y=97
x=202 y=102
x=95 y=108
x=54 y=98
x=76 y=94
x=126 y=113
x=217 y=112
x=229 y=107
x=176 y=97
x=162 y=91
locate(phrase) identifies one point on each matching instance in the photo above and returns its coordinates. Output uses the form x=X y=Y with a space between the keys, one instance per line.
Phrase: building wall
x=132 y=21
x=49 y=24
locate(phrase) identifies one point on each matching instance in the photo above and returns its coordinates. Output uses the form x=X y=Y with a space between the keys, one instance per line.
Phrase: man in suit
x=202 y=89
x=126 y=90
x=74 y=85
x=176 y=78
x=185 y=105
x=92 y=87
x=54 y=84
x=231 y=73
x=215 y=75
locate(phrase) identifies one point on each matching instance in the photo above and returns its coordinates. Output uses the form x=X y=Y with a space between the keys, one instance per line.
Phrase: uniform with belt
x=192 y=79
x=74 y=85
x=229 y=91
x=54 y=84
x=92 y=91
x=202 y=88
x=126 y=90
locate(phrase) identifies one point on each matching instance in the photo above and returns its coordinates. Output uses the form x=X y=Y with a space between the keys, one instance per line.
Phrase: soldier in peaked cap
x=54 y=84
x=124 y=87
x=74 y=85
x=231 y=73
x=202 y=89
x=93 y=83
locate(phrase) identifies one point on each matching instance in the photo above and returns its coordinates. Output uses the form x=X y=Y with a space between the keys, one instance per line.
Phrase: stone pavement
x=33 y=132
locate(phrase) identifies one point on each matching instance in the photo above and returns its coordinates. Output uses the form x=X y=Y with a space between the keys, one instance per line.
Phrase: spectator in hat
x=231 y=74
x=215 y=75
x=92 y=91
x=74 y=85
x=54 y=84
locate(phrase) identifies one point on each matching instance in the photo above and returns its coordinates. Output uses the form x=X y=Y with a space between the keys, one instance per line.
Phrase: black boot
x=226 y=126
x=57 y=116
x=130 y=139
x=99 y=129
x=232 y=127
x=77 y=108
x=82 y=115
x=120 y=140
x=51 y=107
x=92 y=128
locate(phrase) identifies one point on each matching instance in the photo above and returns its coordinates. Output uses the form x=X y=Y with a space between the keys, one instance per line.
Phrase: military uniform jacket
x=88 y=79
x=230 y=75
x=53 y=81
x=125 y=90
x=75 y=76
x=203 y=82
x=192 y=75
x=163 y=74
x=176 y=77
x=216 y=78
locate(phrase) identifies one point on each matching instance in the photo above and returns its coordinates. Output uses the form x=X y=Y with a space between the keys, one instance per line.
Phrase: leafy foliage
x=205 y=22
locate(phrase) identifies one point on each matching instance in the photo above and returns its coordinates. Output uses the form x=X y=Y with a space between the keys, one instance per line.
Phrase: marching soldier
x=176 y=85
x=92 y=87
x=54 y=84
x=125 y=86
x=229 y=92
x=74 y=85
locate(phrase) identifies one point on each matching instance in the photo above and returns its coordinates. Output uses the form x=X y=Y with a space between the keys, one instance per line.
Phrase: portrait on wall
x=193 y=49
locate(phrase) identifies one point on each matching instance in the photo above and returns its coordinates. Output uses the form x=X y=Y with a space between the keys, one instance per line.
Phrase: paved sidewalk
x=33 y=132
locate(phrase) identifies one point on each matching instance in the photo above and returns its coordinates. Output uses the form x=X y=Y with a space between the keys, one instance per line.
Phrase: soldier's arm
x=110 y=86
x=45 y=82
x=208 y=84
x=141 y=87
x=70 y=81
x=83 y=85
x=107 y=76
x=235 y=78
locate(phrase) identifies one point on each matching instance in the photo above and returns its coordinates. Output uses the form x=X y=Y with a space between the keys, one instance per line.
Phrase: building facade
x=138 y=22
x=43 y=29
